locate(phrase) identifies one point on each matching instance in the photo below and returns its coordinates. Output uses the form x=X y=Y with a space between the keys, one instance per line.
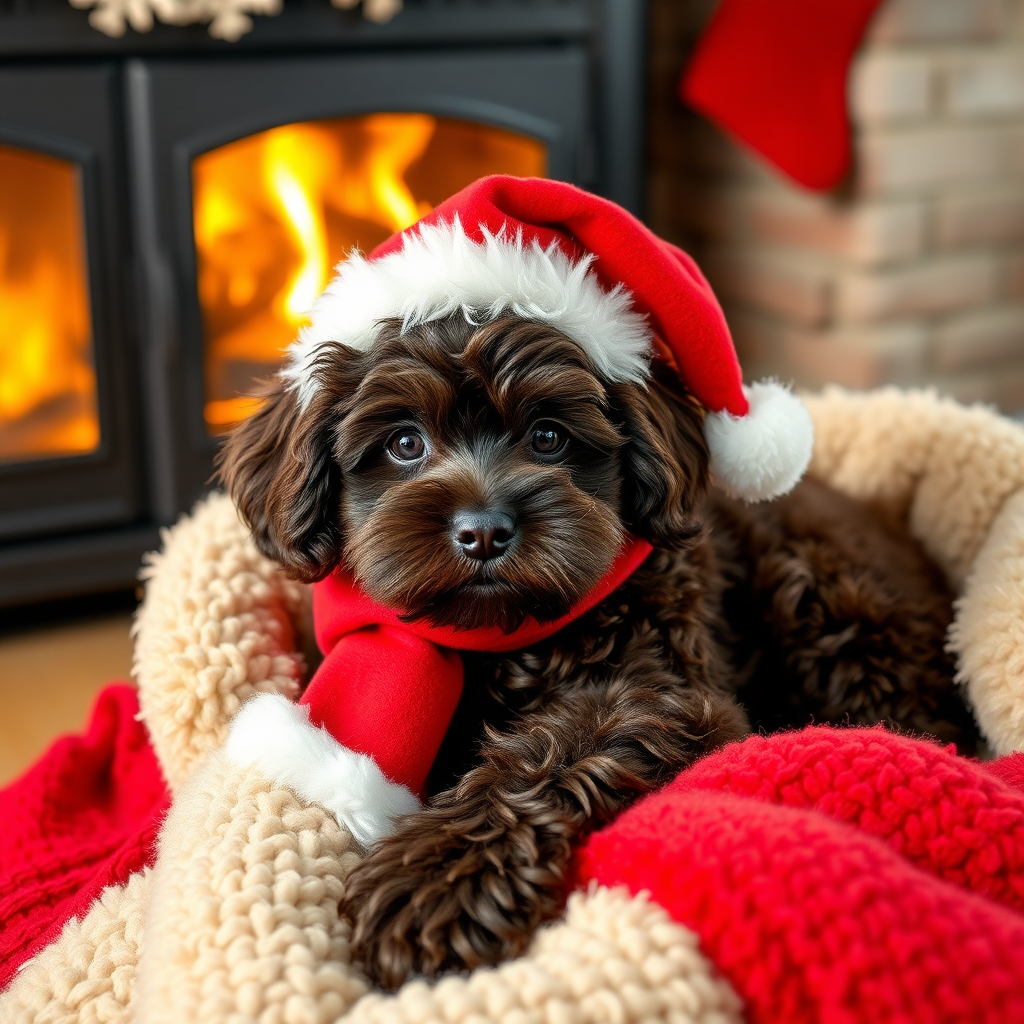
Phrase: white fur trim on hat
x=274 y=735
x=764 y=454
x=440 y=270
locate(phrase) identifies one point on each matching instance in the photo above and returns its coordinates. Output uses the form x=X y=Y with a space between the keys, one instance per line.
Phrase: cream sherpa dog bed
x=237 y=921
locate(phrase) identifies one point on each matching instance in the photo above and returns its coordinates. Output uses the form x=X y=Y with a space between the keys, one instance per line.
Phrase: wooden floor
x=51 y=666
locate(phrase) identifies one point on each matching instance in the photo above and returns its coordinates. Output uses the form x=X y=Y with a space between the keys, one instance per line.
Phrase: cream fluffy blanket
x=237 y=921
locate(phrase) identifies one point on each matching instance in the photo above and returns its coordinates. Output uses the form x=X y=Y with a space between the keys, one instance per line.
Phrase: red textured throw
x=85 y=816
x=774 y=75
x=839 y=876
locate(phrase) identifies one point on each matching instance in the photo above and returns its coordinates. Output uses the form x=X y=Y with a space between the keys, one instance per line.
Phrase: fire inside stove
x=47 y=376
x=274 y=213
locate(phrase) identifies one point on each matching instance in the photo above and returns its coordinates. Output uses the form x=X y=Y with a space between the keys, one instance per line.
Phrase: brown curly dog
x=480 y=474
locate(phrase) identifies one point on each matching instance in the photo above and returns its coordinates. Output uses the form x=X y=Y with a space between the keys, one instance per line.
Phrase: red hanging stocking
x=773 y=73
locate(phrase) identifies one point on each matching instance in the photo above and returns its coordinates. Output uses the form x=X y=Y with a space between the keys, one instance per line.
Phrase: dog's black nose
x=483 y=535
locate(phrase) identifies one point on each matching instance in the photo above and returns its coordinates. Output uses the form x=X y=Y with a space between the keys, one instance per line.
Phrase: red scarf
x=389 y=688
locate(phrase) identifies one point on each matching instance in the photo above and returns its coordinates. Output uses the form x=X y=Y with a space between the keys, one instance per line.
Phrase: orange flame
x=274 y=211
x=47 y=379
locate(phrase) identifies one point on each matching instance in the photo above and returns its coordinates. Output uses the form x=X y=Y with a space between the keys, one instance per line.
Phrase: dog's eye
x=407 y=445
x=548 y=439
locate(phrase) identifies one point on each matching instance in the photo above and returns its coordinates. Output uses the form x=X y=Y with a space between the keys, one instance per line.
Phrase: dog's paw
x=428 y=903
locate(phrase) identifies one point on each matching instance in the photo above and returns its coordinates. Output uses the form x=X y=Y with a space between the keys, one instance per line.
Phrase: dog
x=475 y=474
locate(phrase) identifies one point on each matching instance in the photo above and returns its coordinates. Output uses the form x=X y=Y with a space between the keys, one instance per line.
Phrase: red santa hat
x=553 y=253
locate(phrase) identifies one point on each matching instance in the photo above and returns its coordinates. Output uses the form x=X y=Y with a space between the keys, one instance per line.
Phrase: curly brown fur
x=318 y=485
x=838 y=616
x=812 y=608
x=613 y=706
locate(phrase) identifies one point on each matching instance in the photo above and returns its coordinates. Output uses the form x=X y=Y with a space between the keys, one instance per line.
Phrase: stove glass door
x=274 y=212
x=48 y=402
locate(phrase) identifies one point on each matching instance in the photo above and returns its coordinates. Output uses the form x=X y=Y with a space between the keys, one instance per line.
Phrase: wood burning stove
x=169 y=205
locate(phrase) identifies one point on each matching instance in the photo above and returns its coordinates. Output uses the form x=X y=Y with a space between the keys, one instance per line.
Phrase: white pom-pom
x=764 y=454
x=276 y=737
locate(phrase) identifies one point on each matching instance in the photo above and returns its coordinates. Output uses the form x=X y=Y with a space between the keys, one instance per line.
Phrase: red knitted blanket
x=85 y=816
x=833 y=875
x=840 y=876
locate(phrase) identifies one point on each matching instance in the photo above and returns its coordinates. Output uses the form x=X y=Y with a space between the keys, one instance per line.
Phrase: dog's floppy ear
x=279 y=468
x=665 y=460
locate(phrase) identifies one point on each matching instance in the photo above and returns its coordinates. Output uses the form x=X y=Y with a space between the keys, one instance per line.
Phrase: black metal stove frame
x=133 y=113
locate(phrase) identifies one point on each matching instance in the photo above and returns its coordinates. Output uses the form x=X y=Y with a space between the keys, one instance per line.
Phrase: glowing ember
x=47 y=379
x=275 y=211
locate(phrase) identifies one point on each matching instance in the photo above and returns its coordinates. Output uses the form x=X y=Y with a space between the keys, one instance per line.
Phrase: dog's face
x=471 y=475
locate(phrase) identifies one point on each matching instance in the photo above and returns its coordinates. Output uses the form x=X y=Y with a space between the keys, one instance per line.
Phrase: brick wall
x=913 y=271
